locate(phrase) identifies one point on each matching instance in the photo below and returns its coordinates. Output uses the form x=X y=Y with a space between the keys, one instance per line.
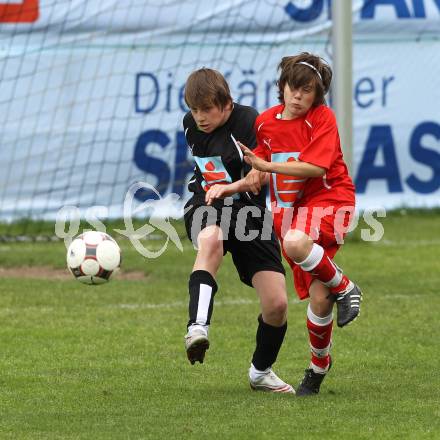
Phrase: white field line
x=235 y=302
x=141 y=306
x=183 y=304
x=178 y=304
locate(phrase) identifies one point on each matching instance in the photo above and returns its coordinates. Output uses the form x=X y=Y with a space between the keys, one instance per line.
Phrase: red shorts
x=327 y=227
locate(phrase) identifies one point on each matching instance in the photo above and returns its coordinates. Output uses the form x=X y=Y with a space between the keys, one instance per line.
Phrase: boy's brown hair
x=298 y=75
x=205 y=88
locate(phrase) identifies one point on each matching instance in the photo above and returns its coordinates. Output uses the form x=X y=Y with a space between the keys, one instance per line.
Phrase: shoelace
x=273 y=375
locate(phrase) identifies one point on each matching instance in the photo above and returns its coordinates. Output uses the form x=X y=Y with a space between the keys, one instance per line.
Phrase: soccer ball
x=93 y=257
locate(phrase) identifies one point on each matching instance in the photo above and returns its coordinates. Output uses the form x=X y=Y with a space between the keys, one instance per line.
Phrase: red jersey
x=312 y=138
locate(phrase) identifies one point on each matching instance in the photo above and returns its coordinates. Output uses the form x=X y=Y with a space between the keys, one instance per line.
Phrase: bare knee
x=210 y=244
x=275 y=313
x=279 y=308
x=297 y=245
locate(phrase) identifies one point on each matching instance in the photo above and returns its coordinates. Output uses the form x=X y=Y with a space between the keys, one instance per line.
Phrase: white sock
x=203 y=328
x=255 y=374
x=317 y=369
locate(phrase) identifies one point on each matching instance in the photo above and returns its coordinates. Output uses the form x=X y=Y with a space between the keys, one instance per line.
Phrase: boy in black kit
x=222 y=217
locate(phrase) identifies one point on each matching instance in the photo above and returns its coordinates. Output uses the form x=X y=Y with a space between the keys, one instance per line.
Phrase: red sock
x=320 y=335
x=321 y=266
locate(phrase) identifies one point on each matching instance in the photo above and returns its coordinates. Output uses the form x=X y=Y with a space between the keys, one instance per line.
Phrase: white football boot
x=269 y=381
x=196 y=344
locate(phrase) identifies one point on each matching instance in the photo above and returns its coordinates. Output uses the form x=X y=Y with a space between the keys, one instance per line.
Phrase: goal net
x=91 y=93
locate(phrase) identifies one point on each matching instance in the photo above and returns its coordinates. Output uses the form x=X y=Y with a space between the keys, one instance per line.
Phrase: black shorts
x=247 y=233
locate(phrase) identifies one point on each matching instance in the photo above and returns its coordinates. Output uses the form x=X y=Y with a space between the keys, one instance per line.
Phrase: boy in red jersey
x=312 y=199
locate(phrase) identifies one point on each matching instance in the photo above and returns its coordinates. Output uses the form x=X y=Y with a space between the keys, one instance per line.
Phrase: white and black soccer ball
x=93 y=257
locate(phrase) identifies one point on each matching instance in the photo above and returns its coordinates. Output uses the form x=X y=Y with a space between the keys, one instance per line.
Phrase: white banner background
x=91 y=97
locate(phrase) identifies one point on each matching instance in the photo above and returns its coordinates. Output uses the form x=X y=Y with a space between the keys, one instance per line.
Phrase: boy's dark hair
x=205 y=88
x=299 y=75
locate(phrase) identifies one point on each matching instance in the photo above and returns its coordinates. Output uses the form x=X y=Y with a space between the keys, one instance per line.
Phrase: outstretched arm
x=294 y=168
x=220 y=191
x=255 y=179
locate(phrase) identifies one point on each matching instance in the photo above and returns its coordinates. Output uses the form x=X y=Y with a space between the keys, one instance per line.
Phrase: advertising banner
x=91 y=97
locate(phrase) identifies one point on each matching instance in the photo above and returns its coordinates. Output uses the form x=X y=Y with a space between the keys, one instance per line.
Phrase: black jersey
x=218 y=159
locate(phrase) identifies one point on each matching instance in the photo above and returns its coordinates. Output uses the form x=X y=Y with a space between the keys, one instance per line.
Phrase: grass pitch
x=104 y=362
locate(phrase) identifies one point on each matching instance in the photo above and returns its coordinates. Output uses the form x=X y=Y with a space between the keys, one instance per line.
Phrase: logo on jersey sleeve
x=213 y=171
x=287 y=189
